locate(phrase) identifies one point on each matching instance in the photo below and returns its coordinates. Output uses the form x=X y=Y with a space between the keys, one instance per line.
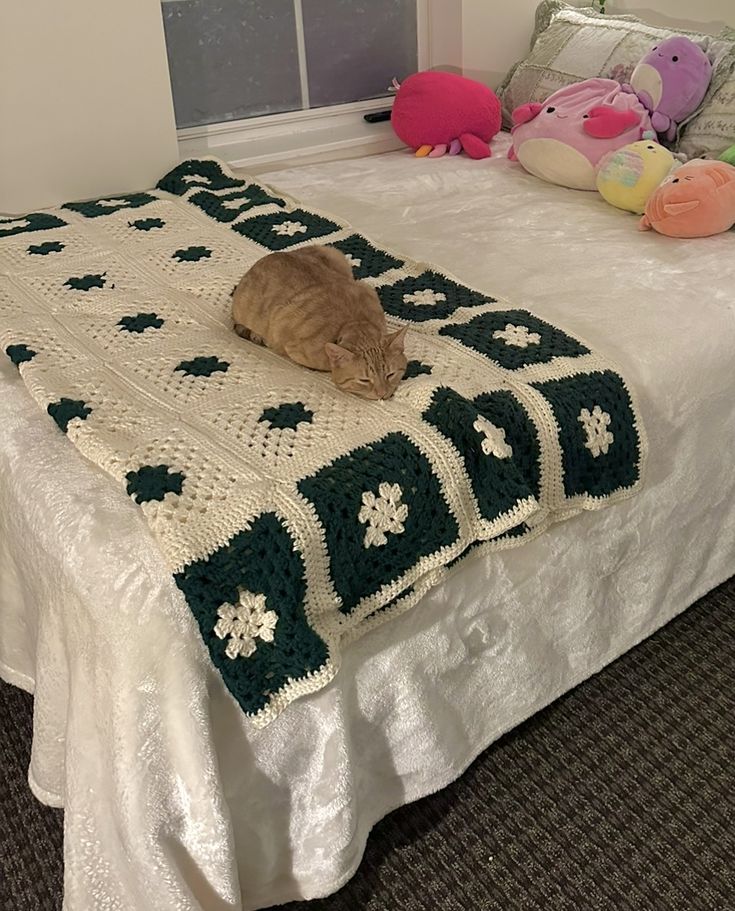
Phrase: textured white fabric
x=189 y=418
x=173 y=801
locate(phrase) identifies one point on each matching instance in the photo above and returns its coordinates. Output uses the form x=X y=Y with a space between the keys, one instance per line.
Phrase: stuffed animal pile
x=592 y=135
x=590 y=119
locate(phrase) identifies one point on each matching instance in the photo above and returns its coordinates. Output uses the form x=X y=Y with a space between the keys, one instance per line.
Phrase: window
x=237 y=59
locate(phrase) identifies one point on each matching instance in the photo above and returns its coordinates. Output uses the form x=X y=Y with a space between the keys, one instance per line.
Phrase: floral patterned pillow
x=571 y=44
x=712 y=129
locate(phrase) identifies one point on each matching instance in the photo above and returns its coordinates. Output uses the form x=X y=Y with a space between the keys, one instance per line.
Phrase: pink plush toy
x=697 y=200
x=563 y=139
x=438 y=112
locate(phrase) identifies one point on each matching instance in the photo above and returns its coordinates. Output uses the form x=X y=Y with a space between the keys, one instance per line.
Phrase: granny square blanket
x=295 y=517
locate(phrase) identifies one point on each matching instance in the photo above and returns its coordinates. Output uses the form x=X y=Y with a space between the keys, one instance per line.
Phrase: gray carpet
x=620 y=796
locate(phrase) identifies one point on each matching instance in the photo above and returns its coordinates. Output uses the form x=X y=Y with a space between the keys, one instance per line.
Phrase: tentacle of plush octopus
x=455 y=147
x=474 y=146
x=423 y=151
x=438 y=151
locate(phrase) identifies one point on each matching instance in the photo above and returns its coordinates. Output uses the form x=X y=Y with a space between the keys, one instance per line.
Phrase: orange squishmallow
x=696 y=200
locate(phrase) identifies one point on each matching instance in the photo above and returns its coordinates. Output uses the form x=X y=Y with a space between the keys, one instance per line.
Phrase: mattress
x=172 y=798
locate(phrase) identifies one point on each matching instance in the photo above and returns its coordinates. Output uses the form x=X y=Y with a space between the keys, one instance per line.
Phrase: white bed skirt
x=173 y=801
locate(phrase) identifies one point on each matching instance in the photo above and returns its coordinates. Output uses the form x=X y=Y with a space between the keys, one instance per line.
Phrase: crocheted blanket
x=295 y=517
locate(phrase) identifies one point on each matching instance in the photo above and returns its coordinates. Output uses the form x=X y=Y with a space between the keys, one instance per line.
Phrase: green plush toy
x=728 y=155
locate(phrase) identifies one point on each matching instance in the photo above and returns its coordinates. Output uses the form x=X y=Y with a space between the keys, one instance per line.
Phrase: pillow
x=571 y=44
x=712 y=128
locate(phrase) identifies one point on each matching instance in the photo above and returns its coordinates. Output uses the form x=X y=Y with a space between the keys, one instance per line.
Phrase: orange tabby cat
x=307 y=306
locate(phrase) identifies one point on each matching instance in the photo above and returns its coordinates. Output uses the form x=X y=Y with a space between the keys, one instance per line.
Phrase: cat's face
x=371 y=374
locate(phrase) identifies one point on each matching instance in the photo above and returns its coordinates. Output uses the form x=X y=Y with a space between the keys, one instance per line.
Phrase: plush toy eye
x=656 y=48
x=675 y=180
x=674 y=58
x=550 y=110
x=649 y=147
x=585 y=116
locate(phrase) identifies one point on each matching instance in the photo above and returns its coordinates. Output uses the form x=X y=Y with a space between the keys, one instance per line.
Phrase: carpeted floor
x=620 y=796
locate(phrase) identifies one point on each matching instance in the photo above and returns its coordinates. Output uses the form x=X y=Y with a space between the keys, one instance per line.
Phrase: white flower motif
x=194 y=178
x=494 y=442
x=234 y=203
x=15 y=222
x=245 y=622
x=381 y=514
x=290 y=228
x=353 y=260
x=424 y=298
x=518 y=336
x=595 y=426
x=111 y=203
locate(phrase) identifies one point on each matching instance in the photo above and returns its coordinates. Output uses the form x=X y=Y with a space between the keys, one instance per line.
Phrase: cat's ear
x=395 y=340
x=338 y=356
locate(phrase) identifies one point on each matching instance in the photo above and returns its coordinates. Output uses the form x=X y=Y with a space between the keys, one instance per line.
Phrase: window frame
x=258 y=142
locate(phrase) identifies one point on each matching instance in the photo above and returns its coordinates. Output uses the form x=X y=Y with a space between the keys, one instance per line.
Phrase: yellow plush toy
x=628 y=176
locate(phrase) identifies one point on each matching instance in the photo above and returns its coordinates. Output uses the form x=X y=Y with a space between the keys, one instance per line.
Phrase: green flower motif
x=86 y=282
x=140 y=322
x=50 y=246
x=19 y=354
x=153 y=482
x=65 y=410
x=192 y=254
x=202 y=366
x=147 y=224
x=415 y=368
x=288 y=415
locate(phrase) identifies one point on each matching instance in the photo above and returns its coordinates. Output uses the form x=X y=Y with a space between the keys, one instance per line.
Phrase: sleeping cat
x=307 y=306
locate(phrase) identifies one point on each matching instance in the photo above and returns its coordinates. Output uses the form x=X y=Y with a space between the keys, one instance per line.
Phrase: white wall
x=85 y=100
x=496 y=33
x=445 y=34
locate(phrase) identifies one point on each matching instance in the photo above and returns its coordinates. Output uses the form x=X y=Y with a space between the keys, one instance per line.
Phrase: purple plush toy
x=671 y=81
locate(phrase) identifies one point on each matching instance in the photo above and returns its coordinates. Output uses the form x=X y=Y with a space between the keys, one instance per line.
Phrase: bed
x=172 y=798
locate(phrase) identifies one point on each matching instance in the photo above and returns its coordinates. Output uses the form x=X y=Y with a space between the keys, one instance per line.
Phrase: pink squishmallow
x=563 y=139
x=436 y=112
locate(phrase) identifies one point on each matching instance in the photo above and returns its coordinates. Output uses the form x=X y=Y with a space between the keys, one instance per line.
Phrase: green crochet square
x=282 y=230
x=497 y=476
x=382 y=509
x=110 y=204
x=514 y=338
x=261 y=560
x=195 y=173
x=428 y=296
x=228 y=207
x=36 y=221
x=367 y=261
x=599 y=441
x=504 y=410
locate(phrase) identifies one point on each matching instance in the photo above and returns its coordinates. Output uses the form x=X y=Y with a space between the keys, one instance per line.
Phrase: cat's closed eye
x=364 y=380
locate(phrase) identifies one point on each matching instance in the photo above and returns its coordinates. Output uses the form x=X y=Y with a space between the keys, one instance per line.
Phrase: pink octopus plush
x=435 y=113
x=563 y=139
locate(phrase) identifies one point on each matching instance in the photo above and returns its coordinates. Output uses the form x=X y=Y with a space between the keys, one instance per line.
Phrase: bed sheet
x=172 y=800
